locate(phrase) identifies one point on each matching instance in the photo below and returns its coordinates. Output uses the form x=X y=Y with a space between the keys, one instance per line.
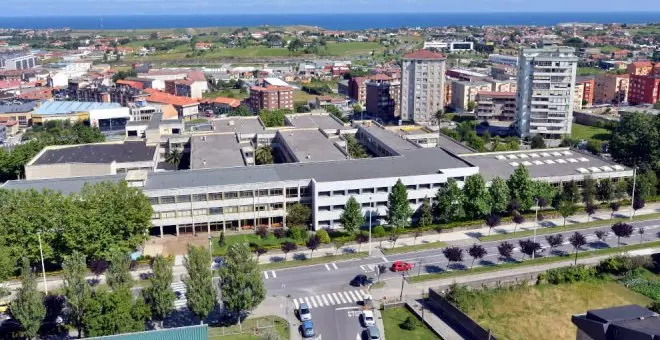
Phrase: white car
x=304 y=313
x=368 y=318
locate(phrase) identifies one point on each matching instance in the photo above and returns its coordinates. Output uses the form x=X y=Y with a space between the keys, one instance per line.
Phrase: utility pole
x=403 y=280
x=370 y=212
x=536 y=221
x=632 y=203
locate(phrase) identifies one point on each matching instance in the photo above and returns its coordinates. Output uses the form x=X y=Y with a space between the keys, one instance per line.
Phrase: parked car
x=400 y=266
x=218 y=262
x=303 y=312
x=368 y=318
x=308 y=329
x=372 y=333
x=361 y=280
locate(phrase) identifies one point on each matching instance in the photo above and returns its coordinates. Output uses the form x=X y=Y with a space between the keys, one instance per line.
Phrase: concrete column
x=161 y=231
x=270 y=222
x=208 y=226
x=177 y=230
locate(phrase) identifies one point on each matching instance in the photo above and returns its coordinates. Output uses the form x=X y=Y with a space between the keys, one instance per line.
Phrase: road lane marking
x=320 y=302
x=354 y=296
x=307 y=302
x=362 y=267
x=346 y=308
x=363 y=293
x=295 y=302
x=341 y=297
x=336 y=298
x=266 y=275
x=324 y=299
x=327 y=267
x=384 y=259
x=313 y=301
x=273 y=272
x=334 y=266
x=332 y=301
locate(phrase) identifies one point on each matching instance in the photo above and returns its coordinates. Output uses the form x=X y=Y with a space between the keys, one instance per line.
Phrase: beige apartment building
x=422 y=85
x=611 y=88
x=464 y=92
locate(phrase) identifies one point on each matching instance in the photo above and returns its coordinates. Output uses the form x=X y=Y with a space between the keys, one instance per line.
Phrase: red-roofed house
x=187 y=108
x=203 y=46
x=130 y=83
x=10 y=84
x=640 y=68
x=424 y=54
x=221 y=105
x=11 y=126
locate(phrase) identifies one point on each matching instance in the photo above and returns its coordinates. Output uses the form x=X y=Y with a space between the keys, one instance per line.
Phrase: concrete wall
x=586 y=118
x=457 y=318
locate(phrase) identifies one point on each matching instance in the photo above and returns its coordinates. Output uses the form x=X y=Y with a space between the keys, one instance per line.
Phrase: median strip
x=530 y=262
x=570 y=227
x=417 y=247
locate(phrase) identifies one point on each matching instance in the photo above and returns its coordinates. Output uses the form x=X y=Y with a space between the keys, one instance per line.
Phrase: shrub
x=279 y=233
x=571 y=274
x=262 y=232
x=636 y=282
x=616 y=265
x=323 y=236
x=378 y=231
x=297 y=233
x=409 y=323
x=655 y=306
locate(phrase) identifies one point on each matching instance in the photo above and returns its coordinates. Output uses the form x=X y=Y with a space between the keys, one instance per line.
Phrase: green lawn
x=543 y=312
x=352 y=48
x=589 y=71
x=585 y=132
x=252 y=239
x=253 y=329
x=417 y=247
x=393 y=317
x=230 y=93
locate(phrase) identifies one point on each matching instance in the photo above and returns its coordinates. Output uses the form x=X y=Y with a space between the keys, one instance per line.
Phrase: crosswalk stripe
x=273 y=272
x=363 y=293
x=336 y=297
x=332 y=301
x=319 y=300
x=353 y=297
x=313 y=301
x=325 y=300
x=307 y=302
x=266 y=275
x=348 y=299
x=295 y=302
x=327 y=267
x=341 y=297
x=362 y=267
x=334 y=265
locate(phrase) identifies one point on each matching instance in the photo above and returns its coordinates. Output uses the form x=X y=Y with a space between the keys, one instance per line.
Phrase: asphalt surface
x=325 y=287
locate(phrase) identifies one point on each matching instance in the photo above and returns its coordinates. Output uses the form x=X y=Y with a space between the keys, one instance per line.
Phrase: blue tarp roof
x=62 y=107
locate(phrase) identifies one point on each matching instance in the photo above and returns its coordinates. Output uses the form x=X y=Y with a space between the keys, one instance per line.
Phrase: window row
x=219 y=196
x=218 y=210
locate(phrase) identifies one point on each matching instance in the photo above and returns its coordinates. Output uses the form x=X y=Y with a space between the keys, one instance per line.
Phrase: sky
x=140 y=7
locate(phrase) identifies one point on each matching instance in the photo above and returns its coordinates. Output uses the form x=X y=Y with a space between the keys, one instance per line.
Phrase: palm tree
x=263 y=155
x=174 y=157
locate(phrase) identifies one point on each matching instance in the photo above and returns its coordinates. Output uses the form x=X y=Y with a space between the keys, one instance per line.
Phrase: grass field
x=253 y=329
x=352 y=48
x=585 y=132
x=394 y=316
x=589 y=71
x=543 y=312
x=232 y=93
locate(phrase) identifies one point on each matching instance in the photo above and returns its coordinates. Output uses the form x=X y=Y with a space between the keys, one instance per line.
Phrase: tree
x=262 y=232
x=338 y=243
x=492 y=221
x=605 y=190
x=174 y=157
x=393 y=238
x=621 y=189
x=477 y=251
x=361 y=238
x=635 y=141
x=621 y=229
x=505 y=249
x=7 y=268
x=312 y=244
x=357 y=109
x=200 y=293
x=567 y=209
x=499 y=195
x=323 y=236
x=425 y=214
x=641 y=231
x=241 y=283
x=28 y=306
x=577 y=240
x=477 y=200
x=521 y=187
x=570 y=193
x=259 y=250
x=221 y=239
x=398 y=208
x=638 y=203
x=76 y=289
x=538 y=142
x=471 y=106
x=517 y=219
x=355 y=149
x=453 y=254
x=589 y=191
x=114 y=312
x=590 y=209
x=601 y=235
x=263 y=155
x=298 y=215
x=352 y=217
x=555 y=240
x=529 y=247
x=449 y=202
x=288 y=247
x=159 y=296
x=614 y=206
x=595 y=146
x=118 y=274
x=416 y=234
x=242 y=111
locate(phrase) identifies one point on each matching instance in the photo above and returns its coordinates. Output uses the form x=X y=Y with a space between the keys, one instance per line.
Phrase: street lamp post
x=370 y=212
x=43 y=266
x=632 y=203
x=536 y=221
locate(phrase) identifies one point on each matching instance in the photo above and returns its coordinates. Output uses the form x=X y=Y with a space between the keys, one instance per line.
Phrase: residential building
x=589 y=85
x=220 y=105
x=383 y=96
x=503 y=85
x=503 y=72
x=496 y=105
x=644 y=89
x=578 y=96
x=187 y=108
x=630 y=322
x=503 y=59
x=357 y=89
x=20 y=112
x=640 y=68
x=186 y=87
x=464 y=93
x=19 y=61
x=449 y=45
x=271 y=98
x=95 y=92
x=546 y=81
x=343 y=88
x=422 y=85
x=10 y=126
x=611 y=88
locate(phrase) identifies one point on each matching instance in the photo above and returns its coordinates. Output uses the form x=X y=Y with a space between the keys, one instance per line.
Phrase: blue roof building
x=64 y=107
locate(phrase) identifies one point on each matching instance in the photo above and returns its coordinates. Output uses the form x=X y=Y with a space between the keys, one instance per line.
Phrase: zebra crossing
x=180 y=287
x=367 y=268
x=331 y=299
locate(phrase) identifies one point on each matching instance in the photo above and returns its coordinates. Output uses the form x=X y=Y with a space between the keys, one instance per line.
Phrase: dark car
x=361 y=280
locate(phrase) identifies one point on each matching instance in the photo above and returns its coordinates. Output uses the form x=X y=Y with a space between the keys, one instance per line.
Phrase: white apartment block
x=422 y=86
x=546 y=85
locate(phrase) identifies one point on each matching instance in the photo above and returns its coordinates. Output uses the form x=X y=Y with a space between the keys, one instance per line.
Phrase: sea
x=353 y=21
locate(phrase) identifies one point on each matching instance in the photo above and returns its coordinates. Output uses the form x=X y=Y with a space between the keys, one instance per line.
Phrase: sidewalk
x=438 y=325
x=458 y=236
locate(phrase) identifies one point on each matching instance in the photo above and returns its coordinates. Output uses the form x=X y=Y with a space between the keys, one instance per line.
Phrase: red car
x=400 y=266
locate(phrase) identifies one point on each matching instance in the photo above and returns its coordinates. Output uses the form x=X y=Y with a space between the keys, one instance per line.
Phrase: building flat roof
x=97 y=153
x=215 y=151
x=17 y=108
x=540 y=163
x=314 y=121
x=389 y=138
x=311 y=146
x=238 y=125
x=62 y=107
x=65 y=185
